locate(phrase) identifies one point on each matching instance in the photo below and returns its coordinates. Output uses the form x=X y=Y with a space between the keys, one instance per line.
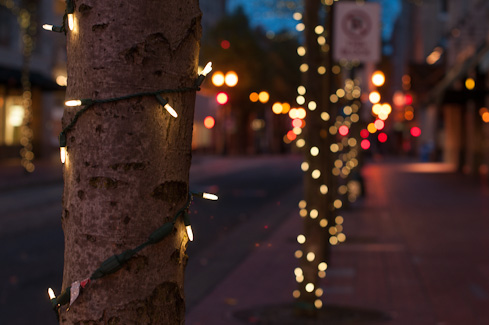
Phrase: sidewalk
x=416 y=253
x=13 y=175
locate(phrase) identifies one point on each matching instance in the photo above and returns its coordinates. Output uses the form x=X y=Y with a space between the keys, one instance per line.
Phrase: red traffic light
x=415 y=131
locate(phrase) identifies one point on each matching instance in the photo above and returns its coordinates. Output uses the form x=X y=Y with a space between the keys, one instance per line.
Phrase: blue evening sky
x=264 y=13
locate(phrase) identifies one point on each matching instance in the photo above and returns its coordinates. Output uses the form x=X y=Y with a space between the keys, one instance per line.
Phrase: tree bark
x=320 y=215
x=128 y=161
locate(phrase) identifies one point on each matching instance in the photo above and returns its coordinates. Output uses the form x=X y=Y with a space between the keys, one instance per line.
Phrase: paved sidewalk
x=415 y=254
x=13 y=175
x=416 y=250
x=264 y=278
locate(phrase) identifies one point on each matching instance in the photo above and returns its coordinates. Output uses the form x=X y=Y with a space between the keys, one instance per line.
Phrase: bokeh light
x=263 y=97
x=231 y=79
x=382 y=137
x=218 y=79
x=415 y=131
x=222 y=98
x=209 y=122
x=365 y=144
x=343 y=130
x=378 y=78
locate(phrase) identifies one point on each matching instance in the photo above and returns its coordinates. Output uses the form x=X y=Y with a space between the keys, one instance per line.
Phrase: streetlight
x=378 y=78
x=374 y=97
x=218 y=79
x=263 y=97
x=231 y=79
x=277 y=108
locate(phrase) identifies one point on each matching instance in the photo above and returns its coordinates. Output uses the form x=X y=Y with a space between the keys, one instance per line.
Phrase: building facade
x=30 y=110
x=442 y=46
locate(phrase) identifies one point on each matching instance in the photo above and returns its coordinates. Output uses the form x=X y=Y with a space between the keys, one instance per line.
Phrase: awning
x=12 y=78
x=456 y=72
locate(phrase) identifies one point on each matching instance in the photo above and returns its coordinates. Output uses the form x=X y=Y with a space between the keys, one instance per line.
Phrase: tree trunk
x=318 y=213
x=128 y=161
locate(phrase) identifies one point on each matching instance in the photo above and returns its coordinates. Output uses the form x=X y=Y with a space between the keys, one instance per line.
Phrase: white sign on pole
x=357 y=31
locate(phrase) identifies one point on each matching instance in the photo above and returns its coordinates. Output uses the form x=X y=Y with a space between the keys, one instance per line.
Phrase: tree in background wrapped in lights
x=314 y=253
x=329 y=153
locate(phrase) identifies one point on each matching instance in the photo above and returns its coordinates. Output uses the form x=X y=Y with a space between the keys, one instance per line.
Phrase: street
x=415 y=249
x=251 y=205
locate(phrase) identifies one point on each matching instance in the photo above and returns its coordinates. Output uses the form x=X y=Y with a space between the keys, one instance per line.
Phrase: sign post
x=357 y=32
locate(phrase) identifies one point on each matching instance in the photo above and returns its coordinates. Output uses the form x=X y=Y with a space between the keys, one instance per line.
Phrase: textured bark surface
x=128 y=162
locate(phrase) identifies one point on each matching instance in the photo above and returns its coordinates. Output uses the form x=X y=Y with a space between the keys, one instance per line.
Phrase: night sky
x=265 y=13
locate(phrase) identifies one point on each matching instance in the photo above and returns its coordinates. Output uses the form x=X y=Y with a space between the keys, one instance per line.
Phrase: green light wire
x=88 y=103
x=115 y=262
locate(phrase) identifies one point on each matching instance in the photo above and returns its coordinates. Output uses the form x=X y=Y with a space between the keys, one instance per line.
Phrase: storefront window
x=14 y=117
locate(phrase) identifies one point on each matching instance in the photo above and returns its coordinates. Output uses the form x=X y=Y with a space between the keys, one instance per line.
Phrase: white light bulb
x=209 y=196
x=207 y=69
x=62 y=153
x=51 y=294
x=190 y=233
x=48 y=27
x=71 y=21
x=171 y=110
x=74 y=102
x=309 y=287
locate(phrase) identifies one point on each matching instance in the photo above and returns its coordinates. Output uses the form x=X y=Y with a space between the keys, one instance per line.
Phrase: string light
x=207 y=69
x=188 y=227
x=77 y=102
x=51 y=294
x=88 y=103
x=164 y=103
x=62 y=147
x=52 y=28
x=342 y=124
x=309 y=287
x=208 y=196
x=115 y=262
x=70 y=9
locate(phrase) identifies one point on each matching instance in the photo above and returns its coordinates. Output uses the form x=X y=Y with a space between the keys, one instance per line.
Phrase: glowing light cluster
x=219 y=79
x=335 y=138
x=484 y=113
x=87 y=103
